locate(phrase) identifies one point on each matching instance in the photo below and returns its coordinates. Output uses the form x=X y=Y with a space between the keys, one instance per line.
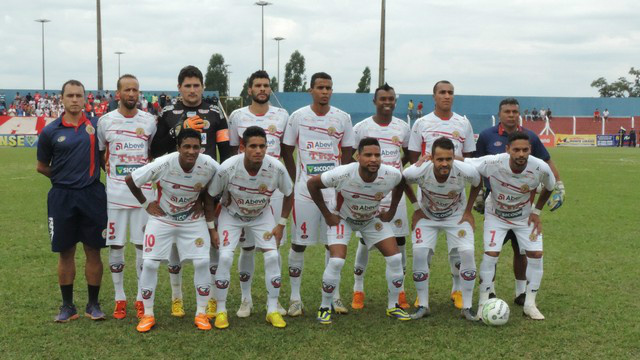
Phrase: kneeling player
x=443 y=206
x=360 y=186
x=246 y=182
x=180 y=177
x=513 y=175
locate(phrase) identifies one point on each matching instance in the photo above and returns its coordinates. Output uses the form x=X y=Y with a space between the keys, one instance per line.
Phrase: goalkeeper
x=493 y=141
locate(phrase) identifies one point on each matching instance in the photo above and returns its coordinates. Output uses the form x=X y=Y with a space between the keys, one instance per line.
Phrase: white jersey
x=126 y=141
x=429 y=128
x=393 y=138
x=359 y=201
x=319 y=140
x=246 y=195
x=447 y=200
x=511 y=192
x=273 y=122
x=177 y=190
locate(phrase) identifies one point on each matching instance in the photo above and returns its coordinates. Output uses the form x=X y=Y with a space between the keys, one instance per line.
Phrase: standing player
x=324 y=137
x=190 y=112
x=443 y=122
x=246 y=182
x=180 y=177
x=76 y=203
x=493 y=141
x=393 y=135
x=360 y=186
x=273 y=121
x=512 y=176
x=443 y=206
x=125 y=134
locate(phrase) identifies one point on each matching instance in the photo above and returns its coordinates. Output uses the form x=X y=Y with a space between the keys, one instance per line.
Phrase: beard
x=255 y=99
x=130 y=105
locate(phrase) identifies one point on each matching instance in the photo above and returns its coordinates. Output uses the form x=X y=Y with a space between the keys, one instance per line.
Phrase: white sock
x=139 y=263
x=296 y=264
x=454 y=263
x=360 y=267
x=148 y=282
x=534 y=278
x=336 y=292
x=272 y=279
x=223 y=277
x=330 y=280
x=521 y=287
x=395 y=278
x=175 y=274
x=421 y=274
x=213 y=263
x=403 y=252
x=487 y=272
x=201 y=280
x=116 y=265
x=246 y=267
x=467 y=277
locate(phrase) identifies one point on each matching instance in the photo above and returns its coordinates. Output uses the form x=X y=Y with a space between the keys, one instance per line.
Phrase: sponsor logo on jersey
x=328 y=288
x=397 y=282
x=276 y=281
x=116 y=268
x=462 y=233
x=62 y=138
x=174 y=269
x=315 y=169
x=180 y=199
x=199 y=242
x=146 y=294
x=358 y=270
x=294 y=271
x=390 y=153
x=442 y=214
x=203 y=290
x=378 y=226
x=222 y=284
x=398 y=223
x=506 y=197
x=509 y=214
x=468 y=275
x=244 y=276
x=420 y=276
x=123 y=170
x=129 y=146
x=90 y=130
x=364 y=207
x=320 y=145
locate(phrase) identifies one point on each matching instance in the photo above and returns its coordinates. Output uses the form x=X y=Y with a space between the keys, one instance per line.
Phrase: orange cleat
x=202 y=322
x=139 y=309
x=120 y=312
x=358 y=300
x=402 y=300
x=146 y=323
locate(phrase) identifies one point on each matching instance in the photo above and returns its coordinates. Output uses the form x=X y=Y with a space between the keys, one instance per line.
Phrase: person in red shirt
x=596 y=115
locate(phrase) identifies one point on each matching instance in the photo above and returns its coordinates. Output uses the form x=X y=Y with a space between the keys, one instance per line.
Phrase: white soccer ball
x=495 y=312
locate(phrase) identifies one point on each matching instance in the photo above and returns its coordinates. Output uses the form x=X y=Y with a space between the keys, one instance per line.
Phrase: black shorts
x=77 y=215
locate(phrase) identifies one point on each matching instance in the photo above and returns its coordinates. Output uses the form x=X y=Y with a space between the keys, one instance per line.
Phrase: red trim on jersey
x=501 y=129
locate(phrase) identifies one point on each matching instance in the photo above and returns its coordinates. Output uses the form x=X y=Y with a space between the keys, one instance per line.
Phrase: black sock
x=67 y=294
x=93 y=293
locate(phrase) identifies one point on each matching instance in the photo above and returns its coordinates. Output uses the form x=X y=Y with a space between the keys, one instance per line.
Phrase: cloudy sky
x=490 y=47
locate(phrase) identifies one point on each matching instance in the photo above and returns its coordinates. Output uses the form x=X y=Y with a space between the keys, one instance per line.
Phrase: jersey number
x=303 y=227
x=340 y=229
x=225 y=241
x=149 y=240
x=493 y=237
x=112 y=228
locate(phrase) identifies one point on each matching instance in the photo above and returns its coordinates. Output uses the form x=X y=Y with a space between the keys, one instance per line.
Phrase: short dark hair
x=384 y=87
x=508 y=101
x=442 y=143
x=71 y=82
x=260 y=74
x=441 y=82
x=186 y=134
x=368 y=141
x=190 y=71
x=319 y=75
x=518 y=135
x=125 y=76
x=253 y=131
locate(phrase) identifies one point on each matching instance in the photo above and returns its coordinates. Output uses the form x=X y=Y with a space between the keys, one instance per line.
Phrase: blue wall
x=10 y=94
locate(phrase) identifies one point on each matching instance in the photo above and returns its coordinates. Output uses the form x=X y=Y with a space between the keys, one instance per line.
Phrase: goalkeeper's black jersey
x=215 y=132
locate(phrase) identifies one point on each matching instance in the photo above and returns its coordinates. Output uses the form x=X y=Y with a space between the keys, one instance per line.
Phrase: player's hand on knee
x=155 y=210
x=468 y=217
x=332 y=219
x=417 y=216
x=557 y=199
x=215 y=240
x=277 y=232
x=387 y=216
x=537 y=224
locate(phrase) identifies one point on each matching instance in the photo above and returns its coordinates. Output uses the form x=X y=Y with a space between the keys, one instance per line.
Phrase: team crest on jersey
x=397 y=282
x=267 y=235
x=497 y=143
x=328 y=288
x=272 y=129
x=62 y=138
x=116 y=268
x=199 y=242
x=379 y=196
x=112 y=237
x=398 y=223
x=244 y=276
x=358 y=270
x=276 y=282
x=456 y=134
x=331 y=130
x=378 y=226
x=303 y=236
x=452 y=194
x=203 y=290
x=524 y=188
x=339 y=236
x=174 y=269
x=197 y=187
x=468 y=275
x=294 y=271
x=140 y=131
x=420 y=276
x=396 y=140
x=263 y=188
x=207 y=124
x=222 y=284
x=462 y=233
x=146 y=294
x=90 y=130
x=533 y=237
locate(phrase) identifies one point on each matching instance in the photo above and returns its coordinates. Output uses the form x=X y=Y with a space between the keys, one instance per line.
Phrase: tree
x=294 y=78
x=217 y=76
x=244 y=94
x=364 y=86
x=619 y=88
x=274 y=84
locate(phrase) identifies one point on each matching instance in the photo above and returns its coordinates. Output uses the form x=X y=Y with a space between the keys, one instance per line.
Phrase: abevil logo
x=146 y=294
x=244 y=276
x=294 y=271
x=397 y=283
x=116 y=268
x=420 y=276
x=320 y=145
x=328 y=288
x=203 y=290
x=276 y=282
x=222 y=284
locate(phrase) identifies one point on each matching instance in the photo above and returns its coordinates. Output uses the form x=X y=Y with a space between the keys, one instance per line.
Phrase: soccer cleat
x=519 y=300
x=456 y=297
x=398 y=313
x=93 y=312
x=469 y=315
x=245 y=309
x=212 y=306
x=295 y=309
x=402 y=300
x=66 y=314
x=281 y=310
x=533 y=312
x=139 y=309
x=416 y=304
x=177 y=308
x=120 y=312
x=324 y=316
x=202 y=322
x=222 y=321
x=276 y=320
x=146 y=323
x=420 y=313
x=358 y=300
x=338 y=307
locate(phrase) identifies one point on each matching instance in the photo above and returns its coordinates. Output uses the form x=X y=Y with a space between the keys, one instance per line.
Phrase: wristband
x=282 y=221
x=535 y=211
x=211 y=225
x=416 y=206
x=145 y=204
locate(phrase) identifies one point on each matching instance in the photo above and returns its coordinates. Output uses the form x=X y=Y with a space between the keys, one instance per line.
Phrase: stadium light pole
x=119 y=53
x=278 y=39
x=43 y=21
x=262 y=4
x=382 y=35
x=99 y=24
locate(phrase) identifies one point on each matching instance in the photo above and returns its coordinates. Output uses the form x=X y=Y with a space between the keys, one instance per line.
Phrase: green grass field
x=589 y=292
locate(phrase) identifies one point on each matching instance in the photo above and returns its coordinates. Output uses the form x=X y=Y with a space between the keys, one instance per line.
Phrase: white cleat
x=295 y=309
x=338 y=307
x=532 y=312
x=281 y=310
x=245 y=309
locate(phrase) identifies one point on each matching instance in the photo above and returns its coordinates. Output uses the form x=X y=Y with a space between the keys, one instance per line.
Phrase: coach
x=77 y=202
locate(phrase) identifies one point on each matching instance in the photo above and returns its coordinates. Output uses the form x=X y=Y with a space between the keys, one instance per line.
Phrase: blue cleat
x=324 y=316
x=67 y=313
x=398 y=313
x=94 y=313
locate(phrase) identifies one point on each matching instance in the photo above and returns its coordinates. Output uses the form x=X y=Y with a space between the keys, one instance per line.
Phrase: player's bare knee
x=118 y=247
x=534 y=254
x=298 y=248
x=139 y=247
x=250 y=248
x=401 y=240
x=492 y=253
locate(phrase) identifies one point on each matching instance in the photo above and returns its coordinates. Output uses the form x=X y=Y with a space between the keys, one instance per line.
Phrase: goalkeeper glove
x=557 y=199
x=194 y=122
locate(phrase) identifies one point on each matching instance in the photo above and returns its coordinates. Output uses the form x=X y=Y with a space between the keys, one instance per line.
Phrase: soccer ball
x=495 y=312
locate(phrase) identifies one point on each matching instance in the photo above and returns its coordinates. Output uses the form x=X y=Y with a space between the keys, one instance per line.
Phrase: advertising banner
x=19 y=140
x=548 y=140
x=607 y=140
x=575 y=140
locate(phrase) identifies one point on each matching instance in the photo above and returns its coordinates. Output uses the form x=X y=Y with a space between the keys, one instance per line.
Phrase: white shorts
x=372 y=232
x=459 y=236
x=191 y=238
x=310 y=227
x=276 y=209
x=136 y=219
x=399 y=224
x=260 y=228
x=495 y=230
